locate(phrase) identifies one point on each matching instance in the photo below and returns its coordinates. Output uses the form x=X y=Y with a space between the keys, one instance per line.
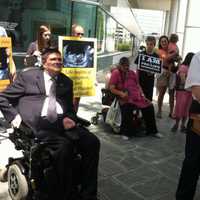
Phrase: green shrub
x=124 y=46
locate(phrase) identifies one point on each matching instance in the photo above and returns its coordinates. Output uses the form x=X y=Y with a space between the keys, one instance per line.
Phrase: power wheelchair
x=27 y=175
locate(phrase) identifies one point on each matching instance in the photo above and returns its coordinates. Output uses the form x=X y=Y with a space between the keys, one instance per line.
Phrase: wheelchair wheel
x=17 y=184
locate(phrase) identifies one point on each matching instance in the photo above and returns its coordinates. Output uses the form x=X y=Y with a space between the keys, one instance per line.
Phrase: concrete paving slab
x=139 y=169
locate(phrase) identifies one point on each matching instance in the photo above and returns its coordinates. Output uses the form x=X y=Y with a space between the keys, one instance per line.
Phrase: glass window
x=111 y=26
x=101 y=31
x=51 y=5
x=191 y=38
x=123 y=40
x=193 y=19
x=21 y=19
x=85 y=15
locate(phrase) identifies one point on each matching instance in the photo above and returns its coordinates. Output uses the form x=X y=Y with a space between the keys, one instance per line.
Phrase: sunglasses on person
x=80 y=34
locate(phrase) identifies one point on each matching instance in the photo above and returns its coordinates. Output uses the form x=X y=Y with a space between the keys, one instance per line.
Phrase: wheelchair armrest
x=25 y=130
x=83 y=122
x=22 y=137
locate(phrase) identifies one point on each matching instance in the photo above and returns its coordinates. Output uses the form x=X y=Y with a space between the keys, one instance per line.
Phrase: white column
x=173 y=16
x=166 y=26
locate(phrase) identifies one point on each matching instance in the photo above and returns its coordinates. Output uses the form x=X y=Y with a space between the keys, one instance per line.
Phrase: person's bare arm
x=117 y=92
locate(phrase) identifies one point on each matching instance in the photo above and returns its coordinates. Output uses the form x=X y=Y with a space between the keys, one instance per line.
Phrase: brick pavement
x=139 y=169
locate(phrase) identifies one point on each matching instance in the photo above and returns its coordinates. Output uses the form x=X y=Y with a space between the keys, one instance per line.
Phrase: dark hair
x=40 y=40
x=173 y=37
x=45 y=52
x=188 y=58
x=151 y=39
x=124 y=61
x=159 y=42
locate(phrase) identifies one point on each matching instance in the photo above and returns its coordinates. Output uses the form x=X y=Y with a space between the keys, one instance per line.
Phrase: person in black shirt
x=146 y=79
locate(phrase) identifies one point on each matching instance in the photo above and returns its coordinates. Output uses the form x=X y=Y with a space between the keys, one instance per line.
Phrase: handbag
x=113 y=117
x=107 y=97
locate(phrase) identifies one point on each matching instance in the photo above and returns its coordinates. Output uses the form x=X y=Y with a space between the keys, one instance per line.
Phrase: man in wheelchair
x=41 y=99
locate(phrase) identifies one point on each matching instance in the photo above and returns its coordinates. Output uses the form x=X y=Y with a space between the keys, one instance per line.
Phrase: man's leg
x=89 y=147
x=59 y=176
x=127 y=120
x=148 y=115
x=190 y=169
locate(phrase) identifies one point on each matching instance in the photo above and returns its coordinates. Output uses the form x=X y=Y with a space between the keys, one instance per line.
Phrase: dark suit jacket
x=27 y=94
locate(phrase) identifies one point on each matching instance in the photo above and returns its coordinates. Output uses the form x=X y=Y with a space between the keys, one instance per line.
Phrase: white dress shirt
x=193 y=76
x=3 y=32
x=48 y=82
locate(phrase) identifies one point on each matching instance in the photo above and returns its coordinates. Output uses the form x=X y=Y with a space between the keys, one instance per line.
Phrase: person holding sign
x=77 y=31
x=164 y=79
x=44 y=103
x=124 y=84
x=7 y=65
x=146 y=78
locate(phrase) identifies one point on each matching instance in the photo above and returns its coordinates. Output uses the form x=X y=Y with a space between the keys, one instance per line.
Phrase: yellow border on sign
x=84 y=79
x=7 y=43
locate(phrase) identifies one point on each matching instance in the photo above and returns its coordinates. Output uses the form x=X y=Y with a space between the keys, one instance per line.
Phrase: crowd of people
x=182 y=80
x=135 y=89
x=35 y=89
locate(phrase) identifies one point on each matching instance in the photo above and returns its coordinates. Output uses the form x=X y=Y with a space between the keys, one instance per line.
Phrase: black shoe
x=156 y=135
x=183 y=129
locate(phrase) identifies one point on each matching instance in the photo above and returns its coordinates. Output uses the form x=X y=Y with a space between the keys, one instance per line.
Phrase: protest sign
x=79 y=63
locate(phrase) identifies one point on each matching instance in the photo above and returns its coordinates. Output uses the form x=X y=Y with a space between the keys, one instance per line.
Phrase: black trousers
x=190 y=169
x=127 y=119
x=60 y=181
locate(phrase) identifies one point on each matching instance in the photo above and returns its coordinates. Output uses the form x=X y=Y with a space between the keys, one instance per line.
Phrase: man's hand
x=68 y=123
x=15 y=123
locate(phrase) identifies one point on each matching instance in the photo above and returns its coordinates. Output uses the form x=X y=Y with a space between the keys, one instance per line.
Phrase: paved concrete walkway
x=139 y=169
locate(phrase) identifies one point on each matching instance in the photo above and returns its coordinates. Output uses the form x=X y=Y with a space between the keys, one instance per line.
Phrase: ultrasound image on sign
x=150 y=64
x=78 y=54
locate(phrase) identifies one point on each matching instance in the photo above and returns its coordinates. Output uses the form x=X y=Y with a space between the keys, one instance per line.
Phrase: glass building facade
x=21 y=19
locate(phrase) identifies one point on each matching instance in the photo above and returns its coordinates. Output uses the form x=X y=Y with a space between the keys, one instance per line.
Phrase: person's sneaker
x=156 y=135
x=124 y=137
x=183 y=129
x=174 y=128
x=159 y=115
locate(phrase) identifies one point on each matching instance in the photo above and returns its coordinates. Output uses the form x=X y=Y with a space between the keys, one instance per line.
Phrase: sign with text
x=6 y=64
x=79 y=63
x=150 y=64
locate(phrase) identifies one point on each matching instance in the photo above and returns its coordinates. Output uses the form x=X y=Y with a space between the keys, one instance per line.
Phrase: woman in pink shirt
x=124 y=84
x=183 y=97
